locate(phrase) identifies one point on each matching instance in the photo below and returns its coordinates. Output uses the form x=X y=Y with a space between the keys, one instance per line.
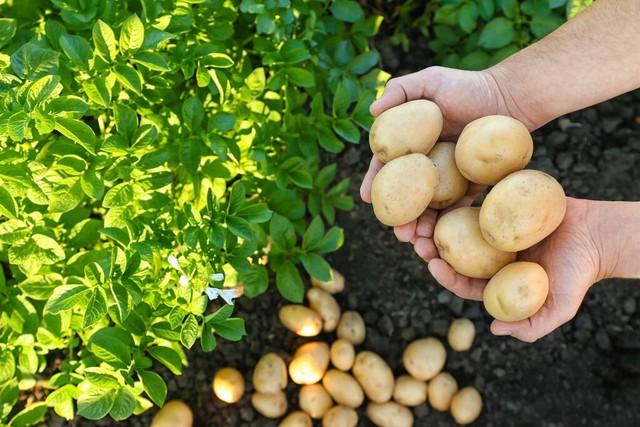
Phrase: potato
x=296 y=419
x=374 y=375
x=412 y=127
x=389 y=414
x=344 y=389
x=521 y=210
x=452 y=186
x=516 y=292
x=351 y=327
x=403 y=189
x=466 y=405
x=270 y=405
x=333 y=286
x=340 y=416
x=461 y=334
x=309 y=363
x=409 y=391
x=301 y=320
x=490 y=148
x=173 y=414
x=342 y=354
x=270 y=374
x=424 y=358
x=460 y=243
x=314 y=400
x=326 y=306
x=441 y=390
x=228 y=385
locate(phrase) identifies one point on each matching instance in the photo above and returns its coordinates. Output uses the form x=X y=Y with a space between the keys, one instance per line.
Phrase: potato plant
x=158 y=158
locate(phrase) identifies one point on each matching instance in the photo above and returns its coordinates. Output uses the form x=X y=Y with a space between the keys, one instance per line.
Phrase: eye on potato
x=326 y=306
x=314 y=400
x=333 y=286
x=466 y=405
x=270 y=405
x=424 y=358
x=351 y=328
x=300 y=320
x=297 y=419
x=270 y=374
x=452 y=185
x=461 y=334
x=228 y=385
x=342 y=354
x=174 y=413
x=442 y=388
x=374 y=375
x=389 y=414
x=344 y=389
x=309 y=363
x=409 y=391
x=340 y=416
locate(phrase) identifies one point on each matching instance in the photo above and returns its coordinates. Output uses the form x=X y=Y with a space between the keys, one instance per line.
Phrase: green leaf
x=30 y=415
x=364 y=62
x=112 y=345
x=77 y=49
x=96 y=308
x=217 y=60
x=574 y=7
x=222 y=121
x=8 y=205
x=190 y=331
x=123 y=405
x=42 y=89
x=347 y=130
x=543 y=25
x=313 y=234
x=151 y=60
x=231 y=329
x=67 y=297
x=121 y=297
x=328 y=140
x=190 y=154
x=31 y=61
x=301 y=178
x=347 y=10
x=18 y=125
x=68 y=104
x=78 y=132
x=208 y=341
x=38 y=250
x=341 y=101
x=104 y=40
x=131 y=34
x=487 y=9
x=95 y=403
x=316 y=266
x=129 y=77
x=497 y=33
x=255 y=213
x=255 y=280
x=92 y=185
x=331 y=241
x=118 y=195
x=294 y=51
x=282 y=231
x=168 y=357
x=126 y=120
x=7 y=366
x=192 y=112
x=101 y=378
x=289 y=282
x=468 y=17
x=509 y=7
x=8 y=28
x=61 y=400
x=301 y=76
x=97 y=91
x=154 y=386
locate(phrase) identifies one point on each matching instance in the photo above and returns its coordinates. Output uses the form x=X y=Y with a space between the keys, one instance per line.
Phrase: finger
x=406 y=232
x=545 y=321
x=463 y=286
x=399 y=90
x=425 y=248
x=365 y=188
x=426 y=222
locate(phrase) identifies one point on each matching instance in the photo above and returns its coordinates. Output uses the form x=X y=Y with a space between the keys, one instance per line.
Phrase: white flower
x=228 y=295
x=184 y=280
x=217 y=277
x=173 y=262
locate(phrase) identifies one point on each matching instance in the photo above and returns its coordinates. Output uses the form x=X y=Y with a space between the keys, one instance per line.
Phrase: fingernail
x=502 y=332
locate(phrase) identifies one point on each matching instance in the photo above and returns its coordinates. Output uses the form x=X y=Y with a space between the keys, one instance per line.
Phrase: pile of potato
x=522 y=208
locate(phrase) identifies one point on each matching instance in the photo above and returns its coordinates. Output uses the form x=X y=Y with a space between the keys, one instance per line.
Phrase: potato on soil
x=466 y=405
x=344 y=389
x=270 y=374
x=314 y=400
x=351 y=328
x=174 y=413
x=461 y=334
x=452 y=185
x=296 y=419
x=409 y=391
x=301 y=320
x=309 y=363
x=342 y=354
x=333 y=286
x=442 y=388
x=374 y=375
x=340 y=416
x=270 y=405
x=424 y=358
x=228 y=385
x=326 y=306
x=389 y=414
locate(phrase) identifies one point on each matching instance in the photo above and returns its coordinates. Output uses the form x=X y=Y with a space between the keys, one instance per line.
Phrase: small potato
x=460 y=243
x=314 y=400
x=297 y=419
x=424 y=358
x=340 y=416
x=326 y=306
x=270 y=405
x=491 y=147
x=309 y=363
x=412 y=127
x=441 y=390
x=516 y=292
x=228 y=385
x=521 y=210
x=452 y=186
x=342 y=354
x=344 y=389
x=403 y=189
x=173 y=414
x=466 y=405
x=389 y=414
x=301 y=320
x=351 y=327
x=333 y=286
x=374 y=375
x=270 y=374
x=409 y=391
x=461 y=334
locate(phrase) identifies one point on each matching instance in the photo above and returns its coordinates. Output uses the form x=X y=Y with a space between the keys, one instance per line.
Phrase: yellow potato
x=314 y=400
x=297 y=419
x=409 y=391
x=461 y=334
x=389 y=414
x=521 y=210
x=333 y=286
x=374 y=375
x=466 y=405
x=442 y=388
x=270 y=374
x=309 y=363
x=173 y=414
x=403 y=189
x=516 y=292
x=340 y=416
x=451 y=184
x=351 y=327
x=301 y=320
x=342 y=354
x=424 y=358
x=228 y=385
x=270 y=405
x=412 y=127
x=326 y=306
x=344 y=389
x=460 y=243
x=492 y=147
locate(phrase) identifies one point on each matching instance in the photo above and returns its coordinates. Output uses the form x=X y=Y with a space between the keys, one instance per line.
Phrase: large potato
x=403 y=189
x=270 y=405
x=228 y=385
x=516 y=292
x=442 y=388
x=301 y=320
x=466 y=405
x=270 y=374
x=461 y=334
x=424 y=358
x=173 y=414
x=374 y=375
x=389 y=414
x=297 y=419
x=344 y=389
x=460 y=243
x=332 y=286
x=340 y=416
x=412 y=127
x=314 y=400
x=309 y=363
x=342 y=354
x=490 y=148
x=409 y=391
x=521 y=210
x=351 y=328
x=451 y=184
x=326 y=306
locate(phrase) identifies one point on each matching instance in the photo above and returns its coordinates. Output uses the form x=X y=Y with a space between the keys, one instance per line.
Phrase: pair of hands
x=569 y=255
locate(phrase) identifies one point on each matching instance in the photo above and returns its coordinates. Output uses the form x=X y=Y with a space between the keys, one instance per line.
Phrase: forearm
x=591 y=58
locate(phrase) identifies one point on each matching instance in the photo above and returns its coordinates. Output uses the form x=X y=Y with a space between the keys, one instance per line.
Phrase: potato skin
x=491 y=147
x=403 y=189
x=174 y=413
x=466 y=405
x=340 y=416
x=351 y=328
x=342 y=354
x=314 y=400
x=412 y=127
x=270 y=405
x=516 y=292
x=452 y=185
x=333 y=286
x=460 y=243
x=461 y=334
x=270 y=374
x=521 y=210
x=309 y=363
x=389 y=414
x=424 y=358
x=228 y=385
x=374 y=375
x=297 y=419
x=442 y=388
x=300 y=320
x=344 y=389
x=326 y=306
x=409 y=391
